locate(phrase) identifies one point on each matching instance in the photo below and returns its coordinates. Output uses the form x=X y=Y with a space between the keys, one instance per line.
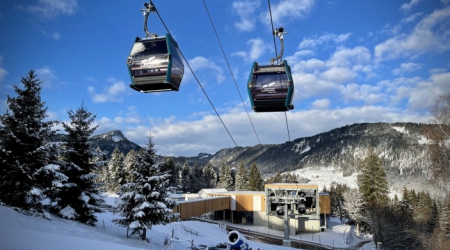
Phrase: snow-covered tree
x=144 y=202
x=225 y=178
x=79 y=197
x=255 y=182
x=129 y=165
x=209 y=176
x=25 y=173
x=173 y=171
x=185 y=178
x=372 y=182
x=116 y=171
x=241 y=178
x=353 y=206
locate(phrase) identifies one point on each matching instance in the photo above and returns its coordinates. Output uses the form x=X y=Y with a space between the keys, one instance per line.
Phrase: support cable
x=207 y=97
x=276 y=53
x=229 y=68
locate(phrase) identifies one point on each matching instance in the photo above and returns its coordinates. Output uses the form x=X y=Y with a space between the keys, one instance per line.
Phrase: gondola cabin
x=155 y=65
x=271 y=88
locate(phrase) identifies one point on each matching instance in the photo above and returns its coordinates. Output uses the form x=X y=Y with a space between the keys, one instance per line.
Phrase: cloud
x=245 y=10
x=114 y=93
x=257 y=48
x=207 y=134
x=321 y=104
x=287 y=10
x=429 y=35
x=408 y=6
x=407 y=67
x=324 y=39
x=53 y=8
x=3 y=74
x=56 y=36
x=200 y=63
x=425 y=93
x=47 y=75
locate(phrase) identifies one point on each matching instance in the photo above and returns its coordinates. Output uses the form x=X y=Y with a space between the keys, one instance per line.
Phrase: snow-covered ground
x=18 y=231
x=324 y=177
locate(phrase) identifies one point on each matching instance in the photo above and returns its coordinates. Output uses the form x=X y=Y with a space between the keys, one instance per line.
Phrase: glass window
x=274 y=80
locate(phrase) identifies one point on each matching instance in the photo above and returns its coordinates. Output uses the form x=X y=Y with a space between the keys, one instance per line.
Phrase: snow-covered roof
x=211 y=190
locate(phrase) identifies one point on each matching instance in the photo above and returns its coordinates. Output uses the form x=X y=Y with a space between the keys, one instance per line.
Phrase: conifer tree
x=255 y=182
x=209 y=176
x=144 y=202
x=79 y=196
x=225 y=178
x=196 y=179
x=185 y=178
x=116 y=171
x=173 y=171
x=241 y=178
x=24 y=156
x=372 y=181
x=128 y=164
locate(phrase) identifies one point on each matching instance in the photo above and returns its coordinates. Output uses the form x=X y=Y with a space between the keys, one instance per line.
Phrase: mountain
x=107 y=142
x=401 y=146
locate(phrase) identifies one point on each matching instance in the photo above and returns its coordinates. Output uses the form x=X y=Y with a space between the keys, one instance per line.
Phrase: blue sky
x=352 y=61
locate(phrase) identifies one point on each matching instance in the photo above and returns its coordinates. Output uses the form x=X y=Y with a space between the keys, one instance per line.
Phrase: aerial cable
x=275 y=33
x=192 y=71
x=231 y=72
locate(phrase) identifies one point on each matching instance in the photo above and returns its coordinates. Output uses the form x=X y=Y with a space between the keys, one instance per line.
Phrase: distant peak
x=115 y=135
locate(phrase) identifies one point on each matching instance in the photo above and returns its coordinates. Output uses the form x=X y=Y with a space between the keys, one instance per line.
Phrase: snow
x=400 y=129
x=68 y=212
x=324 y=177
x=19 y=231
x=306 y=149
x=424 y=140
x=116 y=138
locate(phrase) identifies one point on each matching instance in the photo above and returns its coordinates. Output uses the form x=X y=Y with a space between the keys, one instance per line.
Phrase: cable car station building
x=299 y=205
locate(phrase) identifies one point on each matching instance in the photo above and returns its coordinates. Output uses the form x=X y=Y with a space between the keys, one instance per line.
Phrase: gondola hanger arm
x=149 y=8
x=279 y=33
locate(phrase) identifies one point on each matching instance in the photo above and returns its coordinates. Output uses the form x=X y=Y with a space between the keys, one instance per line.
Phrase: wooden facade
x=245 y=201
x=198 y=207
x=324 y=204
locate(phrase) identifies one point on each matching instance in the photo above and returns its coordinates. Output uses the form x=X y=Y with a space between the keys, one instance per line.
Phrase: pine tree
x=209 y=176
x=372 y=181
x=185 y=178
x=225 y=178
x=25 y=174
x=173 y=171
x=129 y=166
x=116 y=171
x=79 y=197
x=241 y=178
x=100 y=160
x=144 y=202
x=196 y=179
x=255 y=182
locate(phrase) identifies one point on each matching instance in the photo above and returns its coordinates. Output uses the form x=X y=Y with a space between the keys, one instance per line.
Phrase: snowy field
x=324 y=177
x=22 y=232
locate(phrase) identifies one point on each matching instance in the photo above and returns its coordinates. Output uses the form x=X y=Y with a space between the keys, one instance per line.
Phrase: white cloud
x=339 y=75
x=424 y=95
x=321 y=104
x=287 y=10
x=245 y=10
x=3 y=74
x=47 y=75
x=56 y=36
x=429 y=35
x=257 y=48
x=407 y=67
x=324 y=39
x=411 y=18
x=200 y=63
x=408 y=6
x=345 y=57
x=114 y=93
x=53 y=8
x=207 y=134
